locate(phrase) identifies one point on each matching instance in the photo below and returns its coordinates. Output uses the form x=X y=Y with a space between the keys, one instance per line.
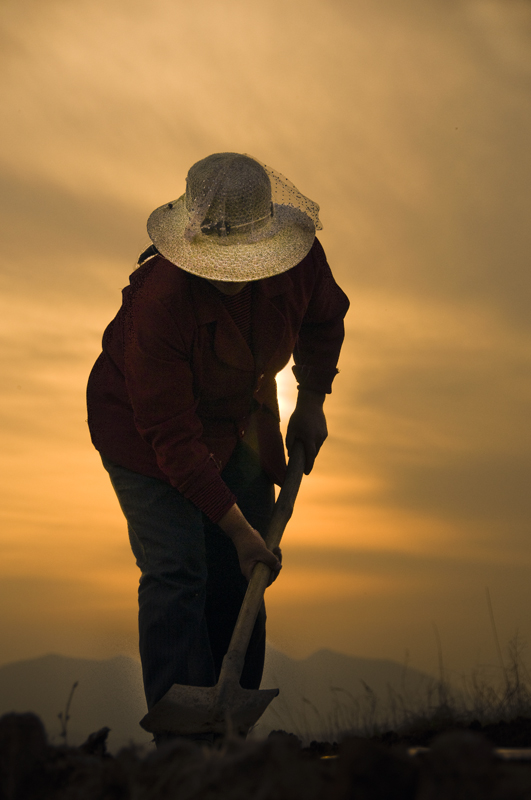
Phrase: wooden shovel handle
x=288 y=494
x=235 y=657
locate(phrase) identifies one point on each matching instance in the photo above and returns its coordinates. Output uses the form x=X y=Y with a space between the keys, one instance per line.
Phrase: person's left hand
x=308 y=423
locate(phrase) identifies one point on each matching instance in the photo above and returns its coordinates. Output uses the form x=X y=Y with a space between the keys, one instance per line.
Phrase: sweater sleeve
x=322 y=331
x=159 y=382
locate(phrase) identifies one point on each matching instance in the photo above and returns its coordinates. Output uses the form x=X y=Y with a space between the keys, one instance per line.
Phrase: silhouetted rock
x=370 y=771
x=96 y=744
x=23 y=751
x=459 y=766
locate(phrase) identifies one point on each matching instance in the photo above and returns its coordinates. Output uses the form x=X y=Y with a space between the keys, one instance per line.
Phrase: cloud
x=409 y=123
x=89 y=621
x=428 y=418
x=57 y=242
x=411 y=131
x=472 y=488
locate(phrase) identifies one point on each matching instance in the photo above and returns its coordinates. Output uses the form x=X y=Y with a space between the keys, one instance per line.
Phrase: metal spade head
x=223 y=708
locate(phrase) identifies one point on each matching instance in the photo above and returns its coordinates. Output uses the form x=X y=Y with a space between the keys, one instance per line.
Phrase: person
x=182 y=403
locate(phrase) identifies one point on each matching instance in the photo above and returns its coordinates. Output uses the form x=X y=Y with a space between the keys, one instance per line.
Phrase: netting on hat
x=236 y=198
x=285 y=193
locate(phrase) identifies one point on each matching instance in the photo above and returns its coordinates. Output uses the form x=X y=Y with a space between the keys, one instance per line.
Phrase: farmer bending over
x=182 y=403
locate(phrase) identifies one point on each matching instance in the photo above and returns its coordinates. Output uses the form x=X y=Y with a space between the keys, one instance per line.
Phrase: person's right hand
x=249 y=545
x=251 y=549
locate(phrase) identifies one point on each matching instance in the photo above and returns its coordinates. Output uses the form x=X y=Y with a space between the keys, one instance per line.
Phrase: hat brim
x=285 y=242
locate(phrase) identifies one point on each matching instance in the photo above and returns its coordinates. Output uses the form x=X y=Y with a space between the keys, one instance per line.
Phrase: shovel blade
x=188 y=710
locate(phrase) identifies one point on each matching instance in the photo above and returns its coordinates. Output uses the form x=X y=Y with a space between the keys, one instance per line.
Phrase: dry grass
x=489 y=696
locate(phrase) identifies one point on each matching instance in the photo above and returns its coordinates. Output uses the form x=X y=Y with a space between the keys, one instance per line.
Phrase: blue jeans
x=191 y=587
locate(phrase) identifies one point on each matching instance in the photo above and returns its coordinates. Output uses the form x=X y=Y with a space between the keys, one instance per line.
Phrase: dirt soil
x=516 y=733
x=460 y=765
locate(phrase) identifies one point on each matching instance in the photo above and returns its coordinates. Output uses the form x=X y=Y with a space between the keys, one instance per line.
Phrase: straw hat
x=238 y=221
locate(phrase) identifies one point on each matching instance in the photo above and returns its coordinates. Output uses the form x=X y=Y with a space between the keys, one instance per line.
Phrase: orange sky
x=410 y=124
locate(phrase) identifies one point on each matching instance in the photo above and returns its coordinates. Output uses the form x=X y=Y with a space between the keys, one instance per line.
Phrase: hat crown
x=228 y=192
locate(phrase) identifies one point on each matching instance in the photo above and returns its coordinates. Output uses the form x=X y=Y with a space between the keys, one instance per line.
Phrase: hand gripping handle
x=235 y=657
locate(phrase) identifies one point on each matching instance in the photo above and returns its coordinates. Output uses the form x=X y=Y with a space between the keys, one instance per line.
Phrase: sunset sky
x=409 y=122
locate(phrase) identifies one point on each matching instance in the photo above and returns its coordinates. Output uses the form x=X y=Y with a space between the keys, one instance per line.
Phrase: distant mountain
x=319 y=695
x=330 y=692
x=109 y=693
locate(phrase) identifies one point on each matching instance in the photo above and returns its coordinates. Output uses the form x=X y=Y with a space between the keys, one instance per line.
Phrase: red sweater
x=176 y=385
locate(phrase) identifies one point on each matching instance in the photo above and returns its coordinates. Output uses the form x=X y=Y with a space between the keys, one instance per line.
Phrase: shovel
x=227 y=707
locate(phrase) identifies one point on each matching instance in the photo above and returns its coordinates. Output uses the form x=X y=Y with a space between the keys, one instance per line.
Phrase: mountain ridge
x=323 y=691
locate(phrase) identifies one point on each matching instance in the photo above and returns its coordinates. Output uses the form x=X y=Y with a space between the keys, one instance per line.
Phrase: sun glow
x=287 y=393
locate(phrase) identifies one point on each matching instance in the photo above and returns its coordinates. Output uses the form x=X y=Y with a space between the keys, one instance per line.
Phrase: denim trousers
x=191 y=587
